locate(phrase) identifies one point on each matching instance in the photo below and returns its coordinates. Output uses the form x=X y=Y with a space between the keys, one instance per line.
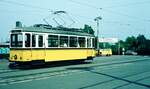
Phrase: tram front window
x=16 y=40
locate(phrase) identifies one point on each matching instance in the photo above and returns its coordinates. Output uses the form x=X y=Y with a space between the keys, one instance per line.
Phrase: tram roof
x=66 y=31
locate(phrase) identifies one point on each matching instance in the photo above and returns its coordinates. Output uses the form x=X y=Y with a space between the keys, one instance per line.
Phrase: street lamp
x=97 y=19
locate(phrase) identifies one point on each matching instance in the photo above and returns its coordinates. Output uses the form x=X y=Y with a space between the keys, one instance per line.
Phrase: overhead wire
x=37 y=7
x=25 y=5
x=90 y=19
x=85 y=4
x=129 y=4
x=108 y=10
x=126 y=15
x=117 y=5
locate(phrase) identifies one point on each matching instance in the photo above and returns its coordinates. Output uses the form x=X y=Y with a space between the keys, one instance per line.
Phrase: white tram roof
x=66 y=31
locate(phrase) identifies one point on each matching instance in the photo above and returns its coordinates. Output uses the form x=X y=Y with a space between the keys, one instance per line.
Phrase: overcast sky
x=120 y=18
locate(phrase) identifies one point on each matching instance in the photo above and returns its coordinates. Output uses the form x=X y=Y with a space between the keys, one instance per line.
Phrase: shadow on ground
x=113 y=78
x=50 y=64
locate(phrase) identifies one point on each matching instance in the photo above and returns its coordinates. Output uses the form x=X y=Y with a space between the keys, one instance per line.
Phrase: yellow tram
x=43 y=43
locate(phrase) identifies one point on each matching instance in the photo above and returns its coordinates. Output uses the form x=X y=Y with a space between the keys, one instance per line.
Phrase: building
x=4 y=50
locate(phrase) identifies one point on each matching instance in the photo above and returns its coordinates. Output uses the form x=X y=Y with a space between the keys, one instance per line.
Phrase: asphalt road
x=114 y=72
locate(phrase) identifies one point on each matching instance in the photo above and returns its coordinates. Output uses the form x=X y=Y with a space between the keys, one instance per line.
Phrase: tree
x=131 y=43
x=141 y=45
x=88 y=29
x=147 y=52
x=115 y=49
x=104 y=45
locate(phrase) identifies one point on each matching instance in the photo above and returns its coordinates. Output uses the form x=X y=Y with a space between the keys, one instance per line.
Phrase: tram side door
x=89 y=47
x=37 y=49
x=41 y=52
x=27 y=53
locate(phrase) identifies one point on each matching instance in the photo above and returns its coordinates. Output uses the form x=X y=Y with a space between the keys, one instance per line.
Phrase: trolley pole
x=97 y=19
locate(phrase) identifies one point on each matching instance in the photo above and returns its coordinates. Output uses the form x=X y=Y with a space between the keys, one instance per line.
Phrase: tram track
x=88 y=65
x=121 y=62
x=67 y=70
x=91 y=65
x=24 y=78
x=7 y=71
x=124 y=77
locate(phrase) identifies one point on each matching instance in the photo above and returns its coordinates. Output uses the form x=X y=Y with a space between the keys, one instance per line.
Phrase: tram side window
x=33 y=40
x=88 y=42
x=73 y=42
x=52 y=41
x=40 y=40
x=16 y=40
x=81 y=41
x=93 y=42
x=63 y=41
x=27 y=40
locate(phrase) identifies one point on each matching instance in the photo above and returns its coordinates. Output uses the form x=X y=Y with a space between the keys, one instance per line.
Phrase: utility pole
x=97 y=19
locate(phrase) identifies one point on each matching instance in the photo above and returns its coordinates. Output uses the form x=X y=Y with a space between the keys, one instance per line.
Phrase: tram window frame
x=40 y=41
x=53 y=40
x=89 y=43
x=17 y=40
x=82 y=42
x=27 y=40
x=64 y=41
x=93 y=42
x=33 y=40
x=73 y=41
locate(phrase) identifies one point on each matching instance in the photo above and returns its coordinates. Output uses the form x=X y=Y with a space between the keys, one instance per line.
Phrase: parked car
x=130 y=52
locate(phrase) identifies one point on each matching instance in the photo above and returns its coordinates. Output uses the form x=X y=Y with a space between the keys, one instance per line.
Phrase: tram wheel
x=12 y=65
